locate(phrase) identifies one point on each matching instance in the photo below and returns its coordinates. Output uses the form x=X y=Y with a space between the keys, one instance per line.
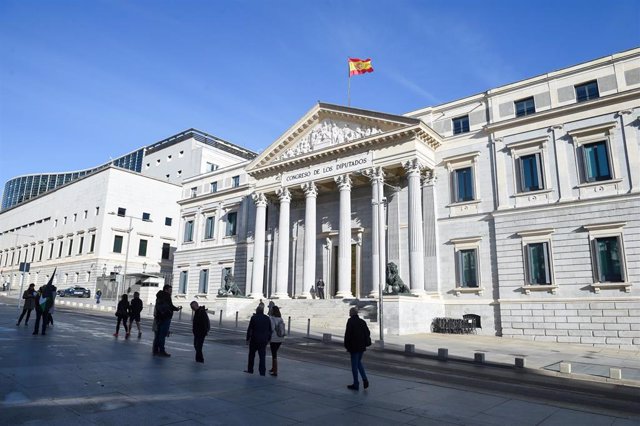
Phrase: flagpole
x=349 y=92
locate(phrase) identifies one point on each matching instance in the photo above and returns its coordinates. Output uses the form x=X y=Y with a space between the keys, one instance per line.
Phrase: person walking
x=200 y=328
x=29 y=304
x=258 y=335
x=278 y=331
x=356 y=339
x=135 y=308
x=162 y=319
x=122 y=312
x=320 y=289
x=98 y=296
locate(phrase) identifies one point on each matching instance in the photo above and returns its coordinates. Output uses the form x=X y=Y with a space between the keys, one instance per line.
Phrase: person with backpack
x=277 y=337
x=356 y=339
x=200 y=328
x=162 y=319
x=122 y=312
x=135 y=308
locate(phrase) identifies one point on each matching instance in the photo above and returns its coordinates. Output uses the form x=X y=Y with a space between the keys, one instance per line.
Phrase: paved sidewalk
x=587 y=362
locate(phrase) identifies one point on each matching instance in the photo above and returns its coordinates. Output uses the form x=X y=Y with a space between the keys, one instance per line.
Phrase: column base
x=256 y=296
x=280 y=296
x=344 y=295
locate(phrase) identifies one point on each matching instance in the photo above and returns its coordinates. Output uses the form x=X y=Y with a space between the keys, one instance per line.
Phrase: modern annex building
x=110 y=222
x=519 y=206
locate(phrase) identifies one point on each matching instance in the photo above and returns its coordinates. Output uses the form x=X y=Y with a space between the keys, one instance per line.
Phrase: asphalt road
x=80 y=374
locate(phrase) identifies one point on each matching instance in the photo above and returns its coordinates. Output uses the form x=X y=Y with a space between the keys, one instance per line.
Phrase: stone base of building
x=409 y=315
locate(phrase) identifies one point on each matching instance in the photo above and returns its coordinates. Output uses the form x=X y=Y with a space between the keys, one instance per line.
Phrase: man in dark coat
x=162 y=316
x=29 y=303
x=200 y=328
x=44 y=303
x=320 y=289
x=258 y=335
x=356 y=339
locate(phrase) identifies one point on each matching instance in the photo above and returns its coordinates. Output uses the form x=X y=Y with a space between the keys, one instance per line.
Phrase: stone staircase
x=325 y=315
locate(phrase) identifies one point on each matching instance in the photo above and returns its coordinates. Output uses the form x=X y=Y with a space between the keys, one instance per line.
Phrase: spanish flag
x=359 y=66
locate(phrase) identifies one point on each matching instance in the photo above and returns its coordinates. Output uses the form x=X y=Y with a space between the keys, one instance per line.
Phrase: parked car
x=74 y=292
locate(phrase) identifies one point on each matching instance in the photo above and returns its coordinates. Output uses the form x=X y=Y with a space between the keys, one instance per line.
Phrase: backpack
x=280 y=330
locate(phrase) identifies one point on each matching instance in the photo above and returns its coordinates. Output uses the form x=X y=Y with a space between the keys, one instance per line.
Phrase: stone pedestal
x=410 y=315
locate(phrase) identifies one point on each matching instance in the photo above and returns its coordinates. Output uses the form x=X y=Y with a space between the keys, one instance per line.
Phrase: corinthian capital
x=429 y=178
x=413 y=167
x=284 y=195
x=344 y=182
x=259 y=199
x=310 y=189
x=376 y=174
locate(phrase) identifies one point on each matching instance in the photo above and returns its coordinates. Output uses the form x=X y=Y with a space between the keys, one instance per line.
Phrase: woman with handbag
x=122 y=312
x=356 y=339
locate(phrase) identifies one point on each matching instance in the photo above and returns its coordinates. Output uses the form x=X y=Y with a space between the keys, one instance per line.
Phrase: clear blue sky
x=82 y=81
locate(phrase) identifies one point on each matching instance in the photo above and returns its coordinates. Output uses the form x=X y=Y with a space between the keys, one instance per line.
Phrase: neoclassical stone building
x=519 y=206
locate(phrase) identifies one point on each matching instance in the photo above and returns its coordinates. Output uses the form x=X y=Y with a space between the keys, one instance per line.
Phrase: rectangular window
x=33 y=254
x=93 y=243
x=203 y=285
x=142 y=248
x=188 y=231
x=40 y=255
x=467 y=268
x=51 y=251
x=166 y=251
x=60 y=249
x=235 y=181
x=167 y=221
x=182 y=285
x=463 y=184
x=86 y=213
x=122 y=211
x=608 y=255
x=460 y=125
x=117 y=244
x=64 y=222
x=587 y=91
x=231 y=224
x=75 y=217
x=596 y=162
x=80 y=245
x=525 y=107
x=530 y=170
x=97 y=211
x=213 y=187
x=539 y=266
x=194 y=192
x=211 y=167
x=146 y=217
x=209 y=228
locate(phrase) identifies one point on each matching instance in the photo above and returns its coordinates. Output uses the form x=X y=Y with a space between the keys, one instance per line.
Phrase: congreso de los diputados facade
x=517 y=208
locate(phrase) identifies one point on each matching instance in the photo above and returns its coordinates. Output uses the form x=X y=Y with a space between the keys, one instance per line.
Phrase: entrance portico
x=329 y=175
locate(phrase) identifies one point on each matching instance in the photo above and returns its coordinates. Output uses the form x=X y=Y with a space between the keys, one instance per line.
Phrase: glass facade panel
x=587 y=91
x=231 y=224
x=538 y=261
x=142 y=248
x=209 y=228
x=525 y=107
x=467 y=268
x=166 y=251
x=182 y=285
x=117 y=244
x=596 y=162
x=530 y=173
x=203 y=285
x=188 y=231
x=463 y=184
x=460 y=125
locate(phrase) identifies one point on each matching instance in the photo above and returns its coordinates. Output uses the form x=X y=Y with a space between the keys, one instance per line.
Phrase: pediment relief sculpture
x=328 y=133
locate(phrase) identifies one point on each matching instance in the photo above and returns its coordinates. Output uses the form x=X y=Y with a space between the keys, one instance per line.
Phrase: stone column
x=282 y=272
x=377 y=274
x=344 y=240
x=413 y=169
x=431 y=249
x=257 y=278
x=309 y=262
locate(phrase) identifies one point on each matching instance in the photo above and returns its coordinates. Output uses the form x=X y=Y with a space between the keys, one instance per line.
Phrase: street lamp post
x=21 y=272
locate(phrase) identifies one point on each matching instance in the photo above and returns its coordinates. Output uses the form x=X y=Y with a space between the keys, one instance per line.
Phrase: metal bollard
x=150 y=308
x=520 y=363
x=565 y=367
x=409 y=348
x=289 y=326
x=615 y=373
x=180 y=315
x=478 y=357
x=443 y=354
x=236 y=319
x=308 y=327
x=220 y=321
x=326 y=337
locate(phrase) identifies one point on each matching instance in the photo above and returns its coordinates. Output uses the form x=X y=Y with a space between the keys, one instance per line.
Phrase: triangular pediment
x=325 y=126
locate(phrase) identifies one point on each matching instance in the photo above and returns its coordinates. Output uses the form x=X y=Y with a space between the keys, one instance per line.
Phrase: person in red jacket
x=356 y=339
